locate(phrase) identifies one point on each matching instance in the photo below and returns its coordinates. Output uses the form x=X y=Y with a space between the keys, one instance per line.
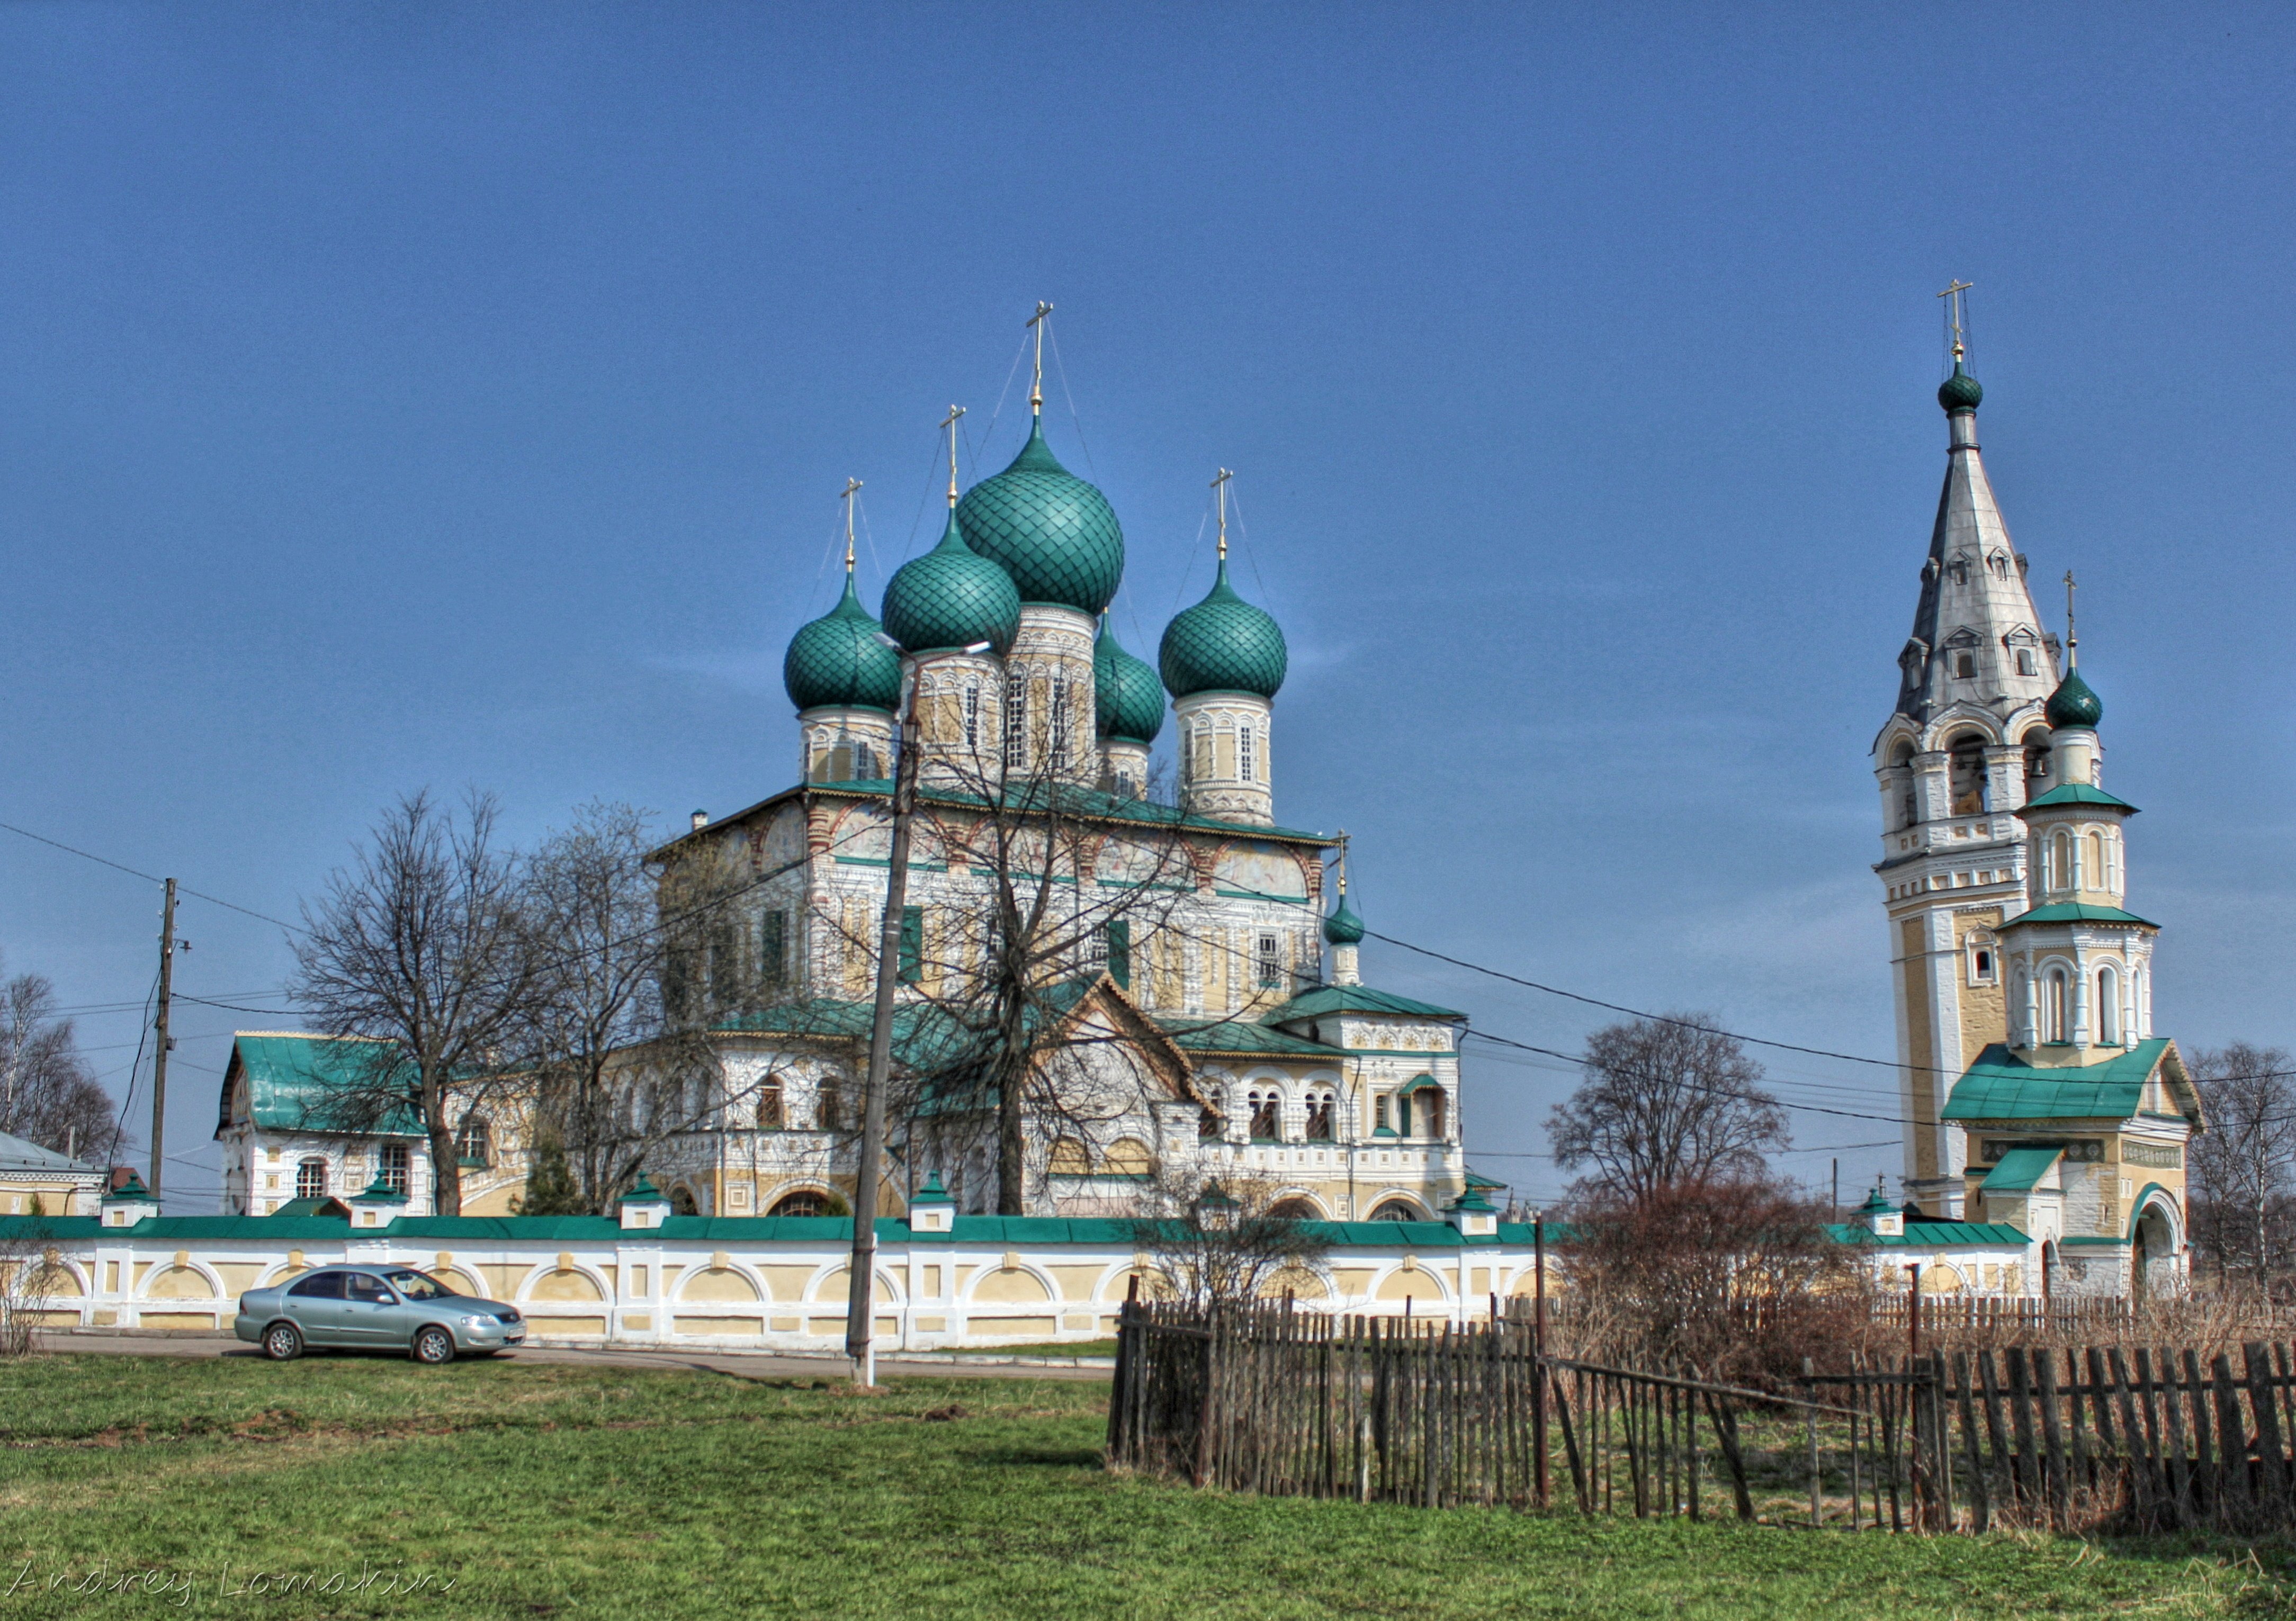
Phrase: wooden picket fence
x=1272 y=1400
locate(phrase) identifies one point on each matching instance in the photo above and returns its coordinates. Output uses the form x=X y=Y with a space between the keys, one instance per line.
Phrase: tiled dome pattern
x=837 y=661
x=1054 y=534
x=1124 y=692
x=951 y=597
x=1223 y=644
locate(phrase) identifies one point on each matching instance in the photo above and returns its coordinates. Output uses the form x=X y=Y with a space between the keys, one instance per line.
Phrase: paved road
x=740 y=1364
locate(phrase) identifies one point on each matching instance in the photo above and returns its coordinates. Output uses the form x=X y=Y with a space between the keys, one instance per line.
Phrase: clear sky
x=398 y=395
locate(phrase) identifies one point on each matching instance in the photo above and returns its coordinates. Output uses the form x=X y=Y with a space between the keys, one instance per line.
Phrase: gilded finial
x=2073 y=641
x=852 y=486
x=1036 y=385
x=1956 y=318
x=949 y=426
x=1219 y=487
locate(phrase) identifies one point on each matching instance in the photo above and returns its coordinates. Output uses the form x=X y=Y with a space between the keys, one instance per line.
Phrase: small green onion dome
x=2073 y=704
x=1960 y=391
x=1129 y=702
x=951 y=597
x=836 y=661
x=1344 y=927
x=1223 y=644
x=1054 y=533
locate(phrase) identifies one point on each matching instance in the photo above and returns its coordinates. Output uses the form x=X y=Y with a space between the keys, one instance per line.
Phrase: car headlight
x=475 y=1322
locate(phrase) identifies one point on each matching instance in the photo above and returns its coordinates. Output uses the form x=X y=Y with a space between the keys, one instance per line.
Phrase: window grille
x=395 y=1161
x=473 y=1141
x=973 y=715
x=1247 y=760
x=1271 y=960
x=1016 y=719
x=1060 y=720
x=311 y=1179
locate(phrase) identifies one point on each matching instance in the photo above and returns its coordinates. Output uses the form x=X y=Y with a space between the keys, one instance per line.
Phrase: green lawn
x=557 y=1490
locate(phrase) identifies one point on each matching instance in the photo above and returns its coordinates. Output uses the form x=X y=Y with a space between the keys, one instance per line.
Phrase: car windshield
x=417 y=1285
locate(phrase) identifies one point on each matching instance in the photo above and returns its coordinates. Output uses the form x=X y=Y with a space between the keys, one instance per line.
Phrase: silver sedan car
x=386 y=1307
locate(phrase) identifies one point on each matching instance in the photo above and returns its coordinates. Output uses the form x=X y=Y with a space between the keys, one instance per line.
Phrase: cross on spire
x=2073 y=641
x=1957 y=318
x=949 y=426
x=852 y=486
x=1037 y=386
x=1219 y=487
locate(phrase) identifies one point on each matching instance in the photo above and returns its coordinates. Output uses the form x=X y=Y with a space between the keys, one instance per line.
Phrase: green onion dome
x=1344 y=927
x=1129 y=702
x=1223 y=644
x=836 y=661
x=1960 y=391
x=2072 y=704
x=951 y=597
x=1054 y=533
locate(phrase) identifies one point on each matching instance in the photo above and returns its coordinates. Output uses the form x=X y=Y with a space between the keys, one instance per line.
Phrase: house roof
x=1240 y=1038
x=1934 y=1235
x=18 y=1155
x=2075 y=793
x=2077 y=911
x=2021 y=1170
x=1326 y=999
x=2002 y=1086
x=297 y=1080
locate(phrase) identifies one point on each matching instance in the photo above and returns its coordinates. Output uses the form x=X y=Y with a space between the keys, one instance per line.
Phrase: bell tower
x=1965 y=745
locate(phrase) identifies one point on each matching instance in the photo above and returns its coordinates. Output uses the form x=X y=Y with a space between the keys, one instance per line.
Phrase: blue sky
x=395 y=396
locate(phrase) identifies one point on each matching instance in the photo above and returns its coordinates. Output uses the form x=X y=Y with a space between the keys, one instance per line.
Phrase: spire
x=1977 y=637
x=949 y=426
x=1037 y=382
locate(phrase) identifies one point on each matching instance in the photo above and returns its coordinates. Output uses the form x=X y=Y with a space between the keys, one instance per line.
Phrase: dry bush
x=1737 y=1278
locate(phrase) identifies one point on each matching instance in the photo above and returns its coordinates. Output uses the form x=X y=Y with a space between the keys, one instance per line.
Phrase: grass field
x=242 y=1487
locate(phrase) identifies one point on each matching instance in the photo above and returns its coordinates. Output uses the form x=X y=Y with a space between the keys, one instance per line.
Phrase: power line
x=146 y=877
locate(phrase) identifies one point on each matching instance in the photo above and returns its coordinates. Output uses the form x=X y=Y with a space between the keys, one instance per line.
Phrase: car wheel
x=433 y=1344
x=282 y=1342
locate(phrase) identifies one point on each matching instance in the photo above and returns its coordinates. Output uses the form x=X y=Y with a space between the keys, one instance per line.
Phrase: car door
x=314 y=1305
x=370 y=1312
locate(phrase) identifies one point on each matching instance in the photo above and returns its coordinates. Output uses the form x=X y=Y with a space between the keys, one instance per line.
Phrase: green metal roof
x=837 y=660
x=1052 y=533
x=324 y=1205
x=2021 y=1170
x=299 y=1082
x=1240 y=1038
x=1326 y=999
x=1344 y=927
x=2077 y=793
x=2002 y=1086
x=951 y=597
x=1126 y=698
x=1936 y=1235
x=1223 y=644
x=2077 y=911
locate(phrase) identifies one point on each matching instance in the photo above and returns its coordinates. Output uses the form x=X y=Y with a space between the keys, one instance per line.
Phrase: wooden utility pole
x=159 y=1059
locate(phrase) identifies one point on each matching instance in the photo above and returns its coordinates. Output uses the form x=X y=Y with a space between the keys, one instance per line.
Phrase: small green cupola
x=1129 y=700
x=2074 y=704
x=1223 y=644
x=1344 y=927
x=1051 y=532
x=1960 y=391
x=951 y=597
x=836 y=661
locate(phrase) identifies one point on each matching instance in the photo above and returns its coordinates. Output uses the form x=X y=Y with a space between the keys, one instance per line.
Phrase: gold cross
x=1037 y=388
x=1954 y=312
x=2073 y=641
x=949 y=425
x=851 y=485
x=1219 y=486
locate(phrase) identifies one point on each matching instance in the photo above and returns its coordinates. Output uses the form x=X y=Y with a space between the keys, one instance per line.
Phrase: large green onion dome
x=1344 y=927
x=951 y=597
x=1054 y=533
x=1223 y=644
x=2072 y=704
x=1124 y=692
x=836 y=660
x=1960 y=391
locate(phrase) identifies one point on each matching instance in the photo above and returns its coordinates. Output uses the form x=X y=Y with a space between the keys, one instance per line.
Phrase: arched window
x=770 y=1117
x=1319 y=1117
x=1266 y=1116
x=1247 y=758
x=972 y=715
x=1069 y=1158
x=1984 y=961
x=827 y=1116
x=1295 y=1210
x=474 y=1143
x=1208 y=1123
x=2036 y=765
x=311 y=1179
x=1397 y=1210
x=2108 y=1007
x=805 y=1201
x=1200 y=751
x=2093 y=868
x=2056 y=998
x=1430 y=1113
x=2061 y=860
x=1016 y=719
x=1965 y=775
x=2021 y=1010
x=1059 y=719
x=864 y=763
x=1127 y=1157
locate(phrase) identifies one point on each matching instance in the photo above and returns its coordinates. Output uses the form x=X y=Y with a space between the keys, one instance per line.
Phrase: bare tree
x=30 y=1268
x=1220 y=1243
x=614 y=1040
x=47 y=1095
x=1666 y=1100
x=2240 y=1167
x=420 y=944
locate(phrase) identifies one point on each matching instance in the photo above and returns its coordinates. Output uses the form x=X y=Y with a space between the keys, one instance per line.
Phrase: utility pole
x=159 y=1059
